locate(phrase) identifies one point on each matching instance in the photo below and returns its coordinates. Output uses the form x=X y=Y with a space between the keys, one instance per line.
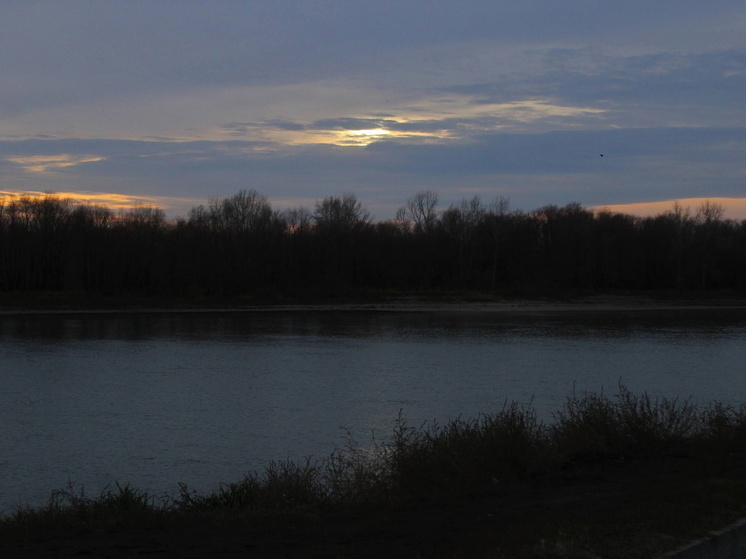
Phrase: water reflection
x=155 y=399
x=243 y=325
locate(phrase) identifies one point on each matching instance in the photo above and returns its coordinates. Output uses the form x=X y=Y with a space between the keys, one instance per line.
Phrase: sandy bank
x=412 y=305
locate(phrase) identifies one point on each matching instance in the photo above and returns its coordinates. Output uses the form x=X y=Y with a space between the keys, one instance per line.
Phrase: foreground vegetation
x=495 y=460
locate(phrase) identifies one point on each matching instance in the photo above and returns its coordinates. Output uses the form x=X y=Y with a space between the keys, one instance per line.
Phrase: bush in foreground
x=433 y=461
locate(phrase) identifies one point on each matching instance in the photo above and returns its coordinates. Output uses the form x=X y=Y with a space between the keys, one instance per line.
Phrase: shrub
x=433 y=460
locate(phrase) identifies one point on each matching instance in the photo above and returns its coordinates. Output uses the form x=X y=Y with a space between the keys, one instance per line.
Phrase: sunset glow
x=299 y=171
x=106 y=199
x=47 y=163
x=382 y=101
x=735 y=208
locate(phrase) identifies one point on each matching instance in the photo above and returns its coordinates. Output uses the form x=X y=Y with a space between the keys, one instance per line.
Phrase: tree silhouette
x=240 y=246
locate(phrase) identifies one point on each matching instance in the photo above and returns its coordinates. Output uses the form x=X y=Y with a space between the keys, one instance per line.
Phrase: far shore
x=406 y=304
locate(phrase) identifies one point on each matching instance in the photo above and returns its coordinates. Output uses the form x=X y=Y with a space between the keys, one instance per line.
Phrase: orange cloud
x=46 y=163
x=109 y=199
x=735 y=208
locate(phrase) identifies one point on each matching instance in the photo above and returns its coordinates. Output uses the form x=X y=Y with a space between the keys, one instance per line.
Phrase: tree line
x=241 y=246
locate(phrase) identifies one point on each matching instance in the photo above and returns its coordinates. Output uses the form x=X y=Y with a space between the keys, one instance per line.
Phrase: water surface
x=155 y=399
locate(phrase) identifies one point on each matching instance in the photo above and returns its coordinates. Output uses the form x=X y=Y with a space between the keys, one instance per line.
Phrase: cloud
x=426 y=125
x=244 y=128
x=62 y=54
x=46 y=163
x=674 y=89
x=539 y=168
x=301 y=100
x=735 y=208
x=111 y=200
x=570 y=151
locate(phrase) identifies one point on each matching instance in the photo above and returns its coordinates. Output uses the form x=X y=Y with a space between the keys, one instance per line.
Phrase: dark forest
x=240 y=246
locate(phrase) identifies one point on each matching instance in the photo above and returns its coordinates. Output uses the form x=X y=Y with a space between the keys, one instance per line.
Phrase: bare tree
x=497 y=216
x=243 y=212
x=297 y=219
x=140 y=217
x=500 y=206
x=679 y=213
x=421 y=210
x=682 y=219
x=708 y=218
x=340 y=214
x=709 y=212
x=473 y=212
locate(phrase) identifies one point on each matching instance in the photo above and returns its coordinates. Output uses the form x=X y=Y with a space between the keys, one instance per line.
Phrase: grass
x=447 y=463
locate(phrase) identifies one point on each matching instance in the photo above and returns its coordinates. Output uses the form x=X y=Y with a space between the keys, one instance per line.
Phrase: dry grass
x=429 y=463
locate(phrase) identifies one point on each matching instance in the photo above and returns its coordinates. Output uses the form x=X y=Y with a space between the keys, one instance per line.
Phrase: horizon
x=734 y=209
x=610 y=105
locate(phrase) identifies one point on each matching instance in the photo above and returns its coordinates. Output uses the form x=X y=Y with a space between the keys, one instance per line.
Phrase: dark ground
x=616 y=508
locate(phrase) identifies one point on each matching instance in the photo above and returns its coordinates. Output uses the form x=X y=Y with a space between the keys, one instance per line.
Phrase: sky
x=627 y=105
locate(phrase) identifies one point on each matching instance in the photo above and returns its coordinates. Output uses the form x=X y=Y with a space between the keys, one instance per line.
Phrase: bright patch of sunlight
x=374 y=132
x=363 y=137
x=446 y=118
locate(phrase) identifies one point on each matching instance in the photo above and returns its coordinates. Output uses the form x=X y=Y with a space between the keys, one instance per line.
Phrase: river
x=154 y=399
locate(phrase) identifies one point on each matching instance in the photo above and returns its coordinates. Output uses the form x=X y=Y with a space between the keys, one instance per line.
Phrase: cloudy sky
x=172 y=102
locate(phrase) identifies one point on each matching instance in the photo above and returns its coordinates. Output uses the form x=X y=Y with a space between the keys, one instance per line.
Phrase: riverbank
x=622 y=477
x=617 y=509
x=66 y=303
